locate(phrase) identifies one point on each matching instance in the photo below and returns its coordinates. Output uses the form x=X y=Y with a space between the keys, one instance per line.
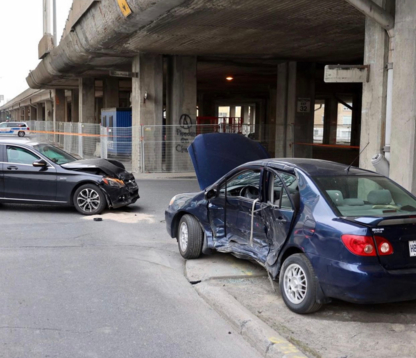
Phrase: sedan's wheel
x=298 y=284
x=21 y=134
x=189 y=237
x=89 y=200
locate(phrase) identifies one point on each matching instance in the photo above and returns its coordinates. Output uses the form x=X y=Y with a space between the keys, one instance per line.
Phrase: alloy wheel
x=295 y=283
x=88 y=200
x=183 y=236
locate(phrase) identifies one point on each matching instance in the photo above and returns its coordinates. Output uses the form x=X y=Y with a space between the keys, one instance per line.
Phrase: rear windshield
x=355 y=196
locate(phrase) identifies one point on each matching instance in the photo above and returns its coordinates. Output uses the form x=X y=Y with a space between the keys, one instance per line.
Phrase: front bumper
x=365 y=284
x=119 y=197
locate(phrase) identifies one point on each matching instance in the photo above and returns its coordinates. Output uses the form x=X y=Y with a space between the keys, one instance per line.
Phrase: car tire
x=21 y=134
x=96 y=203
x=298 y=284
x=189 y=237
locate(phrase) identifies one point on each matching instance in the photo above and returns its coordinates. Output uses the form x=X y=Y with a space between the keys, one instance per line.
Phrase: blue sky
x=21 y=28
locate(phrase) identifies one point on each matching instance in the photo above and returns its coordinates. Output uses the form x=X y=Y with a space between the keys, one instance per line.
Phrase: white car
x=10 y=128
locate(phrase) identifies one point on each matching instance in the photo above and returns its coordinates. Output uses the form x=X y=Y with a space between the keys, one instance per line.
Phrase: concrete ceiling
x=327 y=31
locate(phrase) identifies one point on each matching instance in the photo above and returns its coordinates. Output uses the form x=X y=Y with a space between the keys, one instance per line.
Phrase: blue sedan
x=322 y=229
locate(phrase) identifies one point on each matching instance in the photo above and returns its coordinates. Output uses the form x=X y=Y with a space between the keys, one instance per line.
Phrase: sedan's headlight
x=114 y=182
x=172 y=200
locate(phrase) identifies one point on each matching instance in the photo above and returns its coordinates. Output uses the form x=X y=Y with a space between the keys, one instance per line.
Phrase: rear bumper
x=364 y=283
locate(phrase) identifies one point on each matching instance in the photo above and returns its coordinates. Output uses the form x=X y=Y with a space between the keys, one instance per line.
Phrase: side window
x=278 y=195
x=20 y=156
x=10 y=125
x=244 y=184
x=3 y=125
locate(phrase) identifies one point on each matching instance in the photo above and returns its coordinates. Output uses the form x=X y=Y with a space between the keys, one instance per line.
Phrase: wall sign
x=304 y=105
x=124 y=7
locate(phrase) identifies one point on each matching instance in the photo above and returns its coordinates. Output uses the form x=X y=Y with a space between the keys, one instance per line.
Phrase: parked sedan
x=324 y=230
x=32 y=172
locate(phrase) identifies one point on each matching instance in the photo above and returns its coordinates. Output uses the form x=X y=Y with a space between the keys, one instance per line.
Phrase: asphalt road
x=73 y=287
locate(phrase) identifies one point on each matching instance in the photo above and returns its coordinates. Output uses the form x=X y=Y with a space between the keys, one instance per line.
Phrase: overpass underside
x=179 y=54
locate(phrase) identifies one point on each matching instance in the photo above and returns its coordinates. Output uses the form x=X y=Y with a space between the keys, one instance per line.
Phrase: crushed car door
x=282 y=198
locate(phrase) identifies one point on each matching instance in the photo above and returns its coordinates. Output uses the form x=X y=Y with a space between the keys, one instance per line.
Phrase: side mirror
x=40 y=163
x=212 y=193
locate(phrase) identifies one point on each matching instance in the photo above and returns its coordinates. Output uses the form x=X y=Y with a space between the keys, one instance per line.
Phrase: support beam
x=111 y=92
x=39 y=112
x=87 y=100
x=59 y=106
x=373 y=120
x=147 y=109
x=403 y=134
x=181 y=111
x=375 y=12
x=33 y=113
x=48 y=111
x=74 y=106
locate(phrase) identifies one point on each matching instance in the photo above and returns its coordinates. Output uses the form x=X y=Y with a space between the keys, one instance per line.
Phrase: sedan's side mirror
x=40 y=163
x=212 y=193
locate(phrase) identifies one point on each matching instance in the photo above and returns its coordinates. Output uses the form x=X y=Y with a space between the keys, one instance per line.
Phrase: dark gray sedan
x=32 y=172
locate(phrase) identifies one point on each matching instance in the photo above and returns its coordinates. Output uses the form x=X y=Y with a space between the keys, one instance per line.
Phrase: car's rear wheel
x=89 y=200
x=298 y=284
x=189 y=237
x=21 y=134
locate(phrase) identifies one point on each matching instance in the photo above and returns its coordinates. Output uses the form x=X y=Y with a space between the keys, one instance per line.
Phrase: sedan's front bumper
x=119 y=197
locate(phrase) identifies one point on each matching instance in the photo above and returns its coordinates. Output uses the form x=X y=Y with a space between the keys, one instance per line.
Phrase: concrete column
x=403 y=136
x=26 y=113
x=48 y=111
x=281 y=110
x=66 y=111
x=373 y=118
x=147 y=109
x=111 y=92
x=87 y=100
x=33 y=113
x=330 y=121
x=244 y=113
x=59 y=106
x=181 y=111
x=39 y=112
x=232 y=111
x=74 y=106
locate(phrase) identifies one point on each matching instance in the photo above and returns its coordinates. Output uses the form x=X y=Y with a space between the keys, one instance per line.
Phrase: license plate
x=412 y=248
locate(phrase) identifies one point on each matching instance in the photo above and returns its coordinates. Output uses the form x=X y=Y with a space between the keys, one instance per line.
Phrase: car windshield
x=55 y=154
x=358 y=196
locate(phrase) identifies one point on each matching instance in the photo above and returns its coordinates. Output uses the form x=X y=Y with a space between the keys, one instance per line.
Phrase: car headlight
x=114 y=182
x=172 y=200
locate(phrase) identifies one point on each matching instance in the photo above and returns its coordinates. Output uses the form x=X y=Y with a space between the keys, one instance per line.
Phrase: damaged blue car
x=322 y=229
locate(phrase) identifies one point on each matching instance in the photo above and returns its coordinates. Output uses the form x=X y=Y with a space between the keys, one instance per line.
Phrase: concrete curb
x=266 y=340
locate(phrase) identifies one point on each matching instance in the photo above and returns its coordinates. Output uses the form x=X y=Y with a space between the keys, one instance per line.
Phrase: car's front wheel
x=89 y=200
x=21 y=134
x=298 y=284
x=189 y=237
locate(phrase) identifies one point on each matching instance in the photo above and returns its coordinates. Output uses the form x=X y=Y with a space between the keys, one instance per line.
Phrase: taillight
x=384 y=247
x=28 y=128
x=359 y=245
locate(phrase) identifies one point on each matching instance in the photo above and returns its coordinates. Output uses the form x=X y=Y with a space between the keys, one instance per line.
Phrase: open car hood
x=112 y=168
x=214 y=155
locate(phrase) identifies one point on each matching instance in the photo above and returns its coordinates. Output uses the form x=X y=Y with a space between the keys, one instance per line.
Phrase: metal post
x=55 y=35
x=46 y=17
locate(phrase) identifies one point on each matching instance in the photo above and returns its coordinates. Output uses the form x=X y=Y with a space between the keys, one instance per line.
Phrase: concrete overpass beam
x=147 y=108
x=111 y=92
x=373 y=120
x=181 y=110
x=403 y=136
x=39 y=112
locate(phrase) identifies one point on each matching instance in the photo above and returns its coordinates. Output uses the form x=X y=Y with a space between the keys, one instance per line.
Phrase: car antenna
x=348 y=169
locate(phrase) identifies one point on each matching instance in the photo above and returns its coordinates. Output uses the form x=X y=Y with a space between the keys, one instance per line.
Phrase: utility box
x=118 y=126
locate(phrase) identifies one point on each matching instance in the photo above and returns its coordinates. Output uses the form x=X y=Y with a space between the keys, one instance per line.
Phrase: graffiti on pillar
x=186 y=132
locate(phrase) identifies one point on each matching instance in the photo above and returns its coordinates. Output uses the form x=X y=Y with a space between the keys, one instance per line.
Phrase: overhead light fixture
x=229 y=78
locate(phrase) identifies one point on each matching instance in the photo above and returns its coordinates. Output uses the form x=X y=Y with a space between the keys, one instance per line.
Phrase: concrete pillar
x=295 y=109
x=403 y=136
x=26 y=113
x=87 y=100
x=74 y=106
x=67 y=111
x=147 y=109
x=232 y=111
x=373 y=118
x=111 y=92
x=33 y=113
x=59 y=106
x=244 y=114
x=48 y=111
x=181 y=111
x=39 y=112
x=330 y=121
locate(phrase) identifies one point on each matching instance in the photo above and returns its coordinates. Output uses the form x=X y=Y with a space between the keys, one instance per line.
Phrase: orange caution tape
x=330 y=145
x=81 y=134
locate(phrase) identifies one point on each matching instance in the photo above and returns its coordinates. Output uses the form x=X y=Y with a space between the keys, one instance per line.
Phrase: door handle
x=12 y=168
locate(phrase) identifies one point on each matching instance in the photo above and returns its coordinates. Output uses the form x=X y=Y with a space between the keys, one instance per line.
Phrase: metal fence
x=153 y=148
